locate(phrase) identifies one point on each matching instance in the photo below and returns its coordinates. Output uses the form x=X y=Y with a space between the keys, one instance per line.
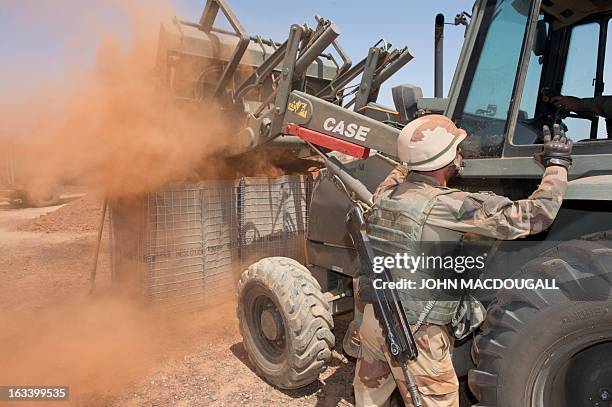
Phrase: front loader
x=534 y=347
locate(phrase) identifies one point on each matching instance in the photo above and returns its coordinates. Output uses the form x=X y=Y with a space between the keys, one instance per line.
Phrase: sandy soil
x=111 y=350
x=80 y=215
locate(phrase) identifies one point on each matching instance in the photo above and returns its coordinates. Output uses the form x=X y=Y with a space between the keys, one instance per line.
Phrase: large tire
x=291 y=344
x=551 y=348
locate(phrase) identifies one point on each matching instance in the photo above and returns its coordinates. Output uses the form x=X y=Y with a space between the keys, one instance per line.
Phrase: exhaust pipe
x=439 y=56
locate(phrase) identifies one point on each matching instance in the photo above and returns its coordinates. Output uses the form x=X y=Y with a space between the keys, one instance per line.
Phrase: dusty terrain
x=111 y=350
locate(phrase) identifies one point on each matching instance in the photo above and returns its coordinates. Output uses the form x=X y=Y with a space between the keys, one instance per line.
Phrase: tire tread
x=308 y=317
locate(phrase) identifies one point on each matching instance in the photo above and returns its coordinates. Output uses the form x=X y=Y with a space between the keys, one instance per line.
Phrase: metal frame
x=366 y=86
x=262 y=72
x=346 y=61
x=464 y=57
x=380 y=65
x=330 y=92
x=521 y=74
x=286 y=80
x=599 y=75
x=207 y=20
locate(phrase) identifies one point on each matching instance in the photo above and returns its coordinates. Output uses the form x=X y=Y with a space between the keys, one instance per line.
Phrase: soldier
x=418 y=206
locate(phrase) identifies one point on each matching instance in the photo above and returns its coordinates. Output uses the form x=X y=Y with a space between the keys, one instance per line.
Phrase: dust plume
x=97 y=347
x=110 y=124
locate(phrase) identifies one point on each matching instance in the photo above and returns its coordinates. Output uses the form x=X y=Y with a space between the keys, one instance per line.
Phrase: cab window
x=579 y=75
x=483 y=104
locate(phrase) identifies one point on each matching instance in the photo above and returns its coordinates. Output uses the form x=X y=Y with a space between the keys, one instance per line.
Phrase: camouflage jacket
x=488 y=214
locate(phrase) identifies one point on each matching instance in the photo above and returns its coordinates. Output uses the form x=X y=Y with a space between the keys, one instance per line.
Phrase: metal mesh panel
x=186 y=246
x=175 y=262
x=220 y=237
x=274 y=217
x=127 y=243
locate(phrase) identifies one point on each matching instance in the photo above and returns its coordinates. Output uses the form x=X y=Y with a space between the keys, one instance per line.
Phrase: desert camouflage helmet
x=429 y=142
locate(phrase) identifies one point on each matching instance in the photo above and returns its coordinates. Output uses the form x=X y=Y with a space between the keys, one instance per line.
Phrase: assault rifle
x=387 y=304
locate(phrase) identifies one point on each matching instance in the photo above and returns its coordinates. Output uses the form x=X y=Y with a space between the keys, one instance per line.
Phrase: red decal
x=326 y=141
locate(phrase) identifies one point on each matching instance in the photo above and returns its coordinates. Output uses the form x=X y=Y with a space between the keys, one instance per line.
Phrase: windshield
x=483 y=109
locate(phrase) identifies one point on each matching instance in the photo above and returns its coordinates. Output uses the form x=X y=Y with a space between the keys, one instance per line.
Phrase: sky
x=39 y=37
x=362 y=23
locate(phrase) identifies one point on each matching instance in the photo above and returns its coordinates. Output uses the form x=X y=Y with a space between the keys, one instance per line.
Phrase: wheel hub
x=271 y=324
x=585 y=370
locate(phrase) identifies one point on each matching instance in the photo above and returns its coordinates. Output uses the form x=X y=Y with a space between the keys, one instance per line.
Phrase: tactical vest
x=396 y=226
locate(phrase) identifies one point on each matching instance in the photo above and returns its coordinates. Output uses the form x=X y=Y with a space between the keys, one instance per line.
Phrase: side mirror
x=405 y=98
x=541 y=37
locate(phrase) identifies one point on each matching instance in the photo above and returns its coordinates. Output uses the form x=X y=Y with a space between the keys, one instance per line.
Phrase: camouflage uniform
x=376 y=376
x=485 y=213
x=452 y=215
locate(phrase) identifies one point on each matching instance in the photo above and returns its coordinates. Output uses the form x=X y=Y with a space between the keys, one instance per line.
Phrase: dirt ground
x=110 y=349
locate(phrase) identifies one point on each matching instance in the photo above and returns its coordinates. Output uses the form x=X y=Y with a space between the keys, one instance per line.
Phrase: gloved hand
x=556 y=150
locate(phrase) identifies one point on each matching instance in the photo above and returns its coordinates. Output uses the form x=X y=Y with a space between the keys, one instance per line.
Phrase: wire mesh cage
x=273 y=217
x=185 y=246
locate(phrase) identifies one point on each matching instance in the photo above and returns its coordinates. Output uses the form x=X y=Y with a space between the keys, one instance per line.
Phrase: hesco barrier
x=187 y=245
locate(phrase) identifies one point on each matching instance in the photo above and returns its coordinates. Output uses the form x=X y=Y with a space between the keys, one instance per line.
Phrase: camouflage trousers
x=376 y=376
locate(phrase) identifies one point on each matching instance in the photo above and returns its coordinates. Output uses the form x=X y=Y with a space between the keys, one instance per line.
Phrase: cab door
x=484 y=86
x=574 y=64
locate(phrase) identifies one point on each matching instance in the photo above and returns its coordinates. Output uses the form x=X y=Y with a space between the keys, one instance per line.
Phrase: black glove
x=556 y=150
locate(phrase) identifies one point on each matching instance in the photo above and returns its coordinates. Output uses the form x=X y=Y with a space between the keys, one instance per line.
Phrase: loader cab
x=518 y=54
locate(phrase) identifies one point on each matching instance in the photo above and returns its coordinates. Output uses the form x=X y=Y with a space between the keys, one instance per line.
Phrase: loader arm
x=334 y=127
x=322 y=123
x=270 y=89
